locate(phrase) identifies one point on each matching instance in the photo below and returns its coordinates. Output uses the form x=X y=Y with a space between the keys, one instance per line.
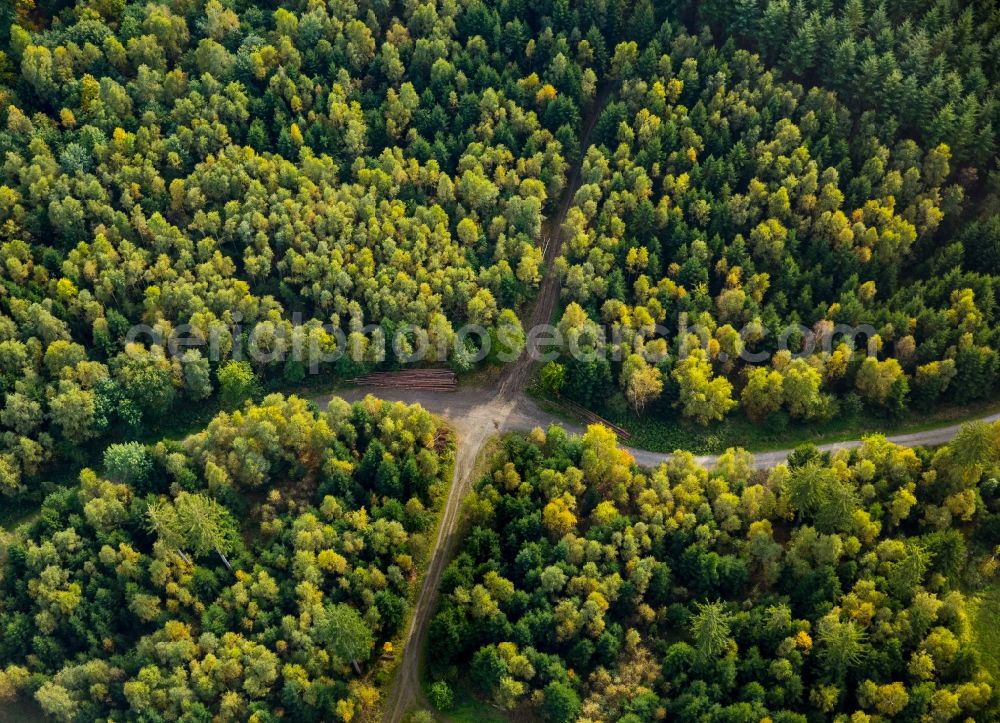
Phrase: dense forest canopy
x=831 y=588
x=921 y=69
x=248 y=572
x=224 y=166
x=720 y=199
x=786 y=209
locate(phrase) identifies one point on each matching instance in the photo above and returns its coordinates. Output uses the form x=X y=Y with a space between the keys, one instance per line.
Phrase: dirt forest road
x=467 y=411
x=472 y=435
x=517 y=375
x=478 y=413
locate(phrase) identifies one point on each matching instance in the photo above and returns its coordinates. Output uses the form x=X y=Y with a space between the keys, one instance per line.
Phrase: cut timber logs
x=432 y=380
x=590 y=418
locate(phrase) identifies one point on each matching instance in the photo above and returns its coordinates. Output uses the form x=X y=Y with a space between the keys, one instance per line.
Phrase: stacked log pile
x=432 y=380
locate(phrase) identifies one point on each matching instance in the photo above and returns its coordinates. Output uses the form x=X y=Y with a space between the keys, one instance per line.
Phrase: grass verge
x=668 y=431
x=469 y=709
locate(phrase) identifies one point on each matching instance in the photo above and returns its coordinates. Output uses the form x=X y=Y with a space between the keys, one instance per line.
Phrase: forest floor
x=468 y=709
